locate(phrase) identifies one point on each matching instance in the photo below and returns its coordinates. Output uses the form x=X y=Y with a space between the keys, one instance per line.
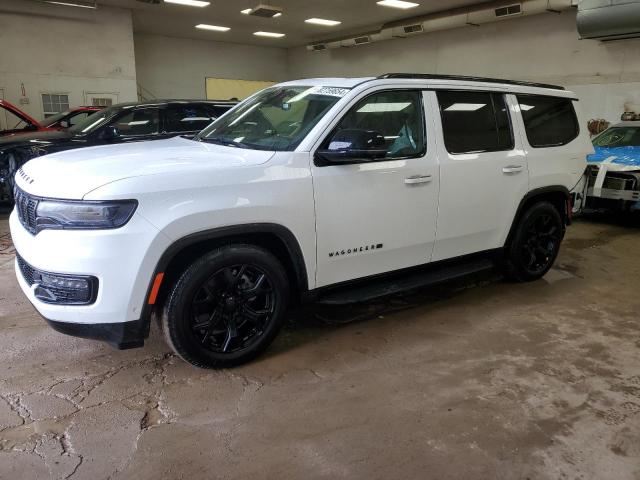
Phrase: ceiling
x=357 y=16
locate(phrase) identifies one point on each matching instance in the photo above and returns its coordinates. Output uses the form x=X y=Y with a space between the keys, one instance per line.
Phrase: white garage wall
x=543 y=48
x=170 y=67
x=64 y=50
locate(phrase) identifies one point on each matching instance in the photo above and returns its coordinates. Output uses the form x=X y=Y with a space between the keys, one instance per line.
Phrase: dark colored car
x=127 y=122
x=69 y=118
x=15 y=121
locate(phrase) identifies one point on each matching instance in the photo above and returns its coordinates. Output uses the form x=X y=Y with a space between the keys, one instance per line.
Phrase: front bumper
x=607 y=184
x=123 y=260
x=122 y=335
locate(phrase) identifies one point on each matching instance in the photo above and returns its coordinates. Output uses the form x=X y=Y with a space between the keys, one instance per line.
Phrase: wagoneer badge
x=25 y=177
x=351 y=251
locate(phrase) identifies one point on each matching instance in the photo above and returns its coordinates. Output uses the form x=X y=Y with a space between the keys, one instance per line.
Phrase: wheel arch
x=558 y=195
x=278 y=239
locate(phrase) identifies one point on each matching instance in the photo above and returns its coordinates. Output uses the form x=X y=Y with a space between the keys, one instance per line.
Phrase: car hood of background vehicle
x=74 y=173
x=31 y=139
x=617 y=159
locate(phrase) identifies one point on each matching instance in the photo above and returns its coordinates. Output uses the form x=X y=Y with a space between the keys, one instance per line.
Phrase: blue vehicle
x=613 y=175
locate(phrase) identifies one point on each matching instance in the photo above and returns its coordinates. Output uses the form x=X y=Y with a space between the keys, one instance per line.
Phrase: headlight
x=88 y=215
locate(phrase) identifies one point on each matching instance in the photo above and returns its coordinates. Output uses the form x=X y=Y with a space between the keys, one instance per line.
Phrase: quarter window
x=53 y=103
x=475 y=122
x=548 y=121
x=396 y=115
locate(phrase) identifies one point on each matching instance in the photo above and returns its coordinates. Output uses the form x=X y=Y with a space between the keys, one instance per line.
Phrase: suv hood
x=74 y=173
x=619 y=159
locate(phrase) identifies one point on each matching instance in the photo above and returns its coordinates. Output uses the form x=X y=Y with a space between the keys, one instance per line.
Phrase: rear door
x=380 y=215
x=483 y=171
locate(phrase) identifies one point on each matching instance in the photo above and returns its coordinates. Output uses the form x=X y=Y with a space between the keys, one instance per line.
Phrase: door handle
x=512 y=169
x=416 y=179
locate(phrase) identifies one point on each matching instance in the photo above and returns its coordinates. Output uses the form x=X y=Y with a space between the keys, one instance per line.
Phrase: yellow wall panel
x=228 y=88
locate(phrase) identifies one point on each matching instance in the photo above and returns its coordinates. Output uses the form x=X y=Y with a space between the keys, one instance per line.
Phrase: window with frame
x=475 y=122
x=397 y=115
x=101 y=102
x=53 y=103
x=141 y=121
x=548 y=121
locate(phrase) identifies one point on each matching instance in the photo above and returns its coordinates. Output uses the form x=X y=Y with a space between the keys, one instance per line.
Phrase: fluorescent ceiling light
x=397 y=4
x=322 y=21
x=269 y=34
x=526 y=107
x=91 y=5
x=384 y=107
x=189 y=3
x=246 y=11
x=215 y=28
x=465 y=107
x=279 y=14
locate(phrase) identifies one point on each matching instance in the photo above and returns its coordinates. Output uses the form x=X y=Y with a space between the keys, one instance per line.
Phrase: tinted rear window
x=548 y=121
x=475 y=121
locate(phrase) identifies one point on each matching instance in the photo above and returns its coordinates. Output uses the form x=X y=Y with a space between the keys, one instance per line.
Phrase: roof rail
x=433 y=76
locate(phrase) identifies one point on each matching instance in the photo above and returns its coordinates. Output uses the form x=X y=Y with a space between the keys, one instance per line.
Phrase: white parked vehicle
x=332 y=190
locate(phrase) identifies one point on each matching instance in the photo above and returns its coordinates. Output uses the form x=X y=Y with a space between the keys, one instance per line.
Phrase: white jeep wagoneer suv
x=335 y=190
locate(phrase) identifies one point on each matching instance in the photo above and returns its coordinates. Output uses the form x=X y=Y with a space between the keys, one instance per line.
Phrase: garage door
x=228 y=88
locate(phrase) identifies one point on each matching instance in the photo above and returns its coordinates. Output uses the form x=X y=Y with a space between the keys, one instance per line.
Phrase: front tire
x=535 y=244
x=227 y=307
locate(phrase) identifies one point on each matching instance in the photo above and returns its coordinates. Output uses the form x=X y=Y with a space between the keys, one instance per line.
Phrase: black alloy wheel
x=232 y=308
x=535 y=244
x=227 y=306
x=541 y=243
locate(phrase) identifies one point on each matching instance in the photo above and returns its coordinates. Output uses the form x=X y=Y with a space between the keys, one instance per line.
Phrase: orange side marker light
x=156 y=288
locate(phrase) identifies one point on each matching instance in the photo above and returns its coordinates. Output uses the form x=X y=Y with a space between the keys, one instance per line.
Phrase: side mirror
x=110 y=132
x=353 y=145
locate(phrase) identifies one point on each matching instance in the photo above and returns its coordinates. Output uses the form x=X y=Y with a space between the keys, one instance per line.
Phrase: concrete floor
x=484 y=381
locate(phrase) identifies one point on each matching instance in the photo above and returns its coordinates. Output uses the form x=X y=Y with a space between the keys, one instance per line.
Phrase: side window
x=219 y=111
x=475 y=121
x=144 y=121
x=396 y=115
x=548 y=121
x=77 y=118
x=187 y=118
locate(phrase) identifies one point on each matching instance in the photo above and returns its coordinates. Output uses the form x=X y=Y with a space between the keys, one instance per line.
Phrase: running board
x=388 y=286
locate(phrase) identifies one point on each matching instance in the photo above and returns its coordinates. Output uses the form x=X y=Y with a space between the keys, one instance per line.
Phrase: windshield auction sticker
x=332 y=91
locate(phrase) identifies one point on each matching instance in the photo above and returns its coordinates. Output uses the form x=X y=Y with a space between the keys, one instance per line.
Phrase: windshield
x=619 y=137
x=94 y=121
x=275 y=119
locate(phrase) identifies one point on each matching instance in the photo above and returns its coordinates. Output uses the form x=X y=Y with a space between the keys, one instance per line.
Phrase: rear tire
x=535 y=244
x=227 y=307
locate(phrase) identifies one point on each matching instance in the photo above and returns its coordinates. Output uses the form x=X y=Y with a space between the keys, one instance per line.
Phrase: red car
x=15 y=121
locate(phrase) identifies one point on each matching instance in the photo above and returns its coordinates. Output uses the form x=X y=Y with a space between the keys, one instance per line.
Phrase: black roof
x=157 y=102
x=433 y=76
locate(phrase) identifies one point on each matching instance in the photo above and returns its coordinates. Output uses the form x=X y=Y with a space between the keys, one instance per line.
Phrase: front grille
x=615 y=180
x=28 y=272
x=56 y=294
x=26 y=206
